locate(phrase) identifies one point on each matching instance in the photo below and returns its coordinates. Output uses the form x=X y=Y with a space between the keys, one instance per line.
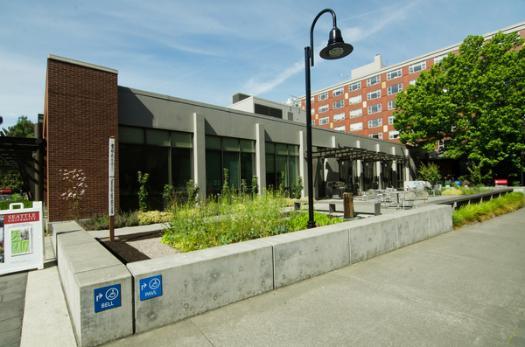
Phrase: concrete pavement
x=12 y=299
x=462 y=288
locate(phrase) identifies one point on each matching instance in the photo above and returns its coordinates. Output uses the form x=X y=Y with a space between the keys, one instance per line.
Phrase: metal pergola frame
x=354 y=153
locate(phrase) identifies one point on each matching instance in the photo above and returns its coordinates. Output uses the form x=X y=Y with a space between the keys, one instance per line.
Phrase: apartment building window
x=356 y=113
x=323 y=121
x=412 y=83
x=374 y=108
x=394 y=134
x=356 y=126
x=417 y=67
x=391 y=104
x=322 y=109
x=439 y=59
x=323 y=96
x=376 y=94
x=373 y=80
x=394 y=74
x=339 y=117
x=341 y=128
x=354 y=86
x=355 y=100
x=395 y=88
x=338 y=104
x=378 y=136
x=375 y=123
x=338 y=91
x=391 y=120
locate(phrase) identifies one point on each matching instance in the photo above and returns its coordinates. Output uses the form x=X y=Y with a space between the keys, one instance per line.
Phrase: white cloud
x=352 y=34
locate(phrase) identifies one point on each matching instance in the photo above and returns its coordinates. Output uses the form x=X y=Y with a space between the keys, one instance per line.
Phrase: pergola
x=354 y=153
x=26 y=156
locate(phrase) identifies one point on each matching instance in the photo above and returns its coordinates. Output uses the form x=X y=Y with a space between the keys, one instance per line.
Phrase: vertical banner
x=111 y=177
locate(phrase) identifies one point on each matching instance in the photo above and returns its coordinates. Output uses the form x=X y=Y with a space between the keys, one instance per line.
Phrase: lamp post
x=335 y=49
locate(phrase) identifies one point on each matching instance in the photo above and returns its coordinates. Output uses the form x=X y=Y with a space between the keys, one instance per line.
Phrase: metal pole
x=311 y=221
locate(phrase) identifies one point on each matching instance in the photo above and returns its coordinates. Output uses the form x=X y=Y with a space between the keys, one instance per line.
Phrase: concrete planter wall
x=196 y=282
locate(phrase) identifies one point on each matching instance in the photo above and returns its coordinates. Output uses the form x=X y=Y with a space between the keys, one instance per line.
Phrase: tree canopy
x=23 y=128
x=473 y=101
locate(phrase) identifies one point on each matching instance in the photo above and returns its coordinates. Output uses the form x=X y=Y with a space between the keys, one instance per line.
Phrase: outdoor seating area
x=394 y=198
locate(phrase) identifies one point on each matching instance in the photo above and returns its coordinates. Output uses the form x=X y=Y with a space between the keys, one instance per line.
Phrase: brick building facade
x=81 y=113
x=364 y=105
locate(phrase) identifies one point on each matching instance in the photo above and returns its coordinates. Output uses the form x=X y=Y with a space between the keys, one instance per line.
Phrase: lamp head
x=336 y=47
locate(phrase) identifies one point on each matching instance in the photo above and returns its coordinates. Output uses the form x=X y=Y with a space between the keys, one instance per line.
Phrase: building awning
x=354 y=153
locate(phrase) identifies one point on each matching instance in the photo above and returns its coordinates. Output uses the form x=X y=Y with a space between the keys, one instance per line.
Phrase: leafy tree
x=474 y=101
x=429 y=173
x=23 y=128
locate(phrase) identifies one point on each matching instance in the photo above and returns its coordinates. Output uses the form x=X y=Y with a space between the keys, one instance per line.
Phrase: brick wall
x=80 y=116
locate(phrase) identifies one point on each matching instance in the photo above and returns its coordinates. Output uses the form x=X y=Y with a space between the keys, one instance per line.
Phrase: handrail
x=457 y=201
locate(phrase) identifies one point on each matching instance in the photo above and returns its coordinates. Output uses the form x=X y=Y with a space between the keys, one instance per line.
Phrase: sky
x=208 y=50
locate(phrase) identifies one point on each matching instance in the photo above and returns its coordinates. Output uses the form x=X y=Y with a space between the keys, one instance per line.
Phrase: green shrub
x=101 y=222
x=429 y=173
x=4 y=204
x=489 y=209
x=226 y=221
x=152 y=217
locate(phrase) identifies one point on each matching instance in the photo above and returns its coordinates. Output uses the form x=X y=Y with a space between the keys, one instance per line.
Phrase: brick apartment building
x=364 y=105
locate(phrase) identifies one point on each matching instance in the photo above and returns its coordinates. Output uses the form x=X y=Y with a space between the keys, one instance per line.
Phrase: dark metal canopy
x=354 y=153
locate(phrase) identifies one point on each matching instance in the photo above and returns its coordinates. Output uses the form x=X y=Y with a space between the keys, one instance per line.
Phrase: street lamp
x=335 y=49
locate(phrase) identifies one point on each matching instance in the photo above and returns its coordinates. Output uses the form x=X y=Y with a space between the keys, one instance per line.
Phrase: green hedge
x=489 y=209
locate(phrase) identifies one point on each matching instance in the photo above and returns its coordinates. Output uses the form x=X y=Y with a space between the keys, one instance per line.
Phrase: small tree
x=23 y=128
x=297 y=188
x=168 y=195
x=255 y=189
x=143 y=194
x=226 y=191
x=74 y=185
x=429 y=173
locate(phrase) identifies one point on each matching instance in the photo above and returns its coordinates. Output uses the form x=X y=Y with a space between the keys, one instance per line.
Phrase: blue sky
x=208 y=50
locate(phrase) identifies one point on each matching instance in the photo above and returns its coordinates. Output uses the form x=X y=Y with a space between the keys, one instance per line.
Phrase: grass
x=234 y=219
x=487 y=210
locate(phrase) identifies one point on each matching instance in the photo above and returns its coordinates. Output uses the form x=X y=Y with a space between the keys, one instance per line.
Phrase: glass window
x=338 y=91
x=373 y=80
x=283 y=163
x=394 y=74
x=378 y=136
x=391 y=119
x=355 y=100
x=417 y=67
x=323 y=108
x=355 y=86
x=181 y=140
x=323 y=121
x=181 y=163
x=131 y=135
x=356 y=113
x=356 y=126
x=376 y=94
x=339 y=104
x=158 y=137
x=439 y=59
x=395 y=88
x=391 y=104
x=374 y=123
x=339 y=117
x=213 y=142
x=323 y=96
x=374 y=108
x=392 y=135
x=341 y=128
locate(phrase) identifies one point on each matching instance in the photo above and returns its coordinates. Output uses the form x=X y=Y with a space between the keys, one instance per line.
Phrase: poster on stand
x=21 y=238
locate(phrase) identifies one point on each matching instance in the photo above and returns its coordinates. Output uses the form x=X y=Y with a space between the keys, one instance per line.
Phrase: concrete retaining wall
x=85 y=265
x=369 y=238
x=200 y=281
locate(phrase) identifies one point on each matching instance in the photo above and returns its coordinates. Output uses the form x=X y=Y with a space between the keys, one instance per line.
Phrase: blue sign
x=150 y=287
x=107 y=298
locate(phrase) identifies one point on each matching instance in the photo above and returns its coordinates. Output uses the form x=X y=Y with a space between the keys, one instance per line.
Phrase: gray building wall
x=150 y=110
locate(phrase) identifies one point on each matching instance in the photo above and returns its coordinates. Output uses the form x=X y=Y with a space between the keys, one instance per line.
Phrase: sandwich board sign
x=21 y=238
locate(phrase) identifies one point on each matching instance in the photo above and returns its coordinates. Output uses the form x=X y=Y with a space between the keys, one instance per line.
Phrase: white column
x=394 y=166
x=260 y=157
x=302 y=162
x=407 y=166
x=359 y=169
x=199 y=154
x=378 y=169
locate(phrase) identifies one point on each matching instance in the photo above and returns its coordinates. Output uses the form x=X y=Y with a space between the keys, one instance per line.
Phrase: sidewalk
x=463 y=288
x=460 y=289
